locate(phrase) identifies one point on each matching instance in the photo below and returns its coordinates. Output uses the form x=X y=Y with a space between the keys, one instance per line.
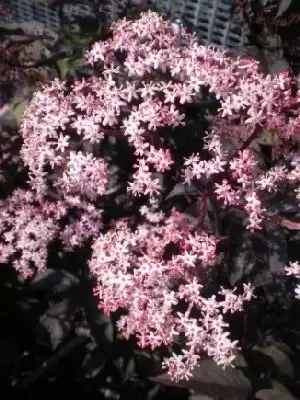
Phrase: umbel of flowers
x=156 y=268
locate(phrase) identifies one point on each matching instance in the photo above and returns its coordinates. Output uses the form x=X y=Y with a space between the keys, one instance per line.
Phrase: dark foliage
x=273 y=32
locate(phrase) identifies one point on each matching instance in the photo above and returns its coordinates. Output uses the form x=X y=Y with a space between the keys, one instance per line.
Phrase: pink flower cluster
x=25 y=233
x=146 y=74
x=79 y=117
x=136 y=272
x=47 y=143
x=27 y=227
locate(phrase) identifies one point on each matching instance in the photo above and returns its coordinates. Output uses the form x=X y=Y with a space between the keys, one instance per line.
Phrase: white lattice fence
x=209 y=18
x=27 y=10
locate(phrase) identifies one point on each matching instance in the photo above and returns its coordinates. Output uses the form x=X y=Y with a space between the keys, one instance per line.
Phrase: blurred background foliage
x=53 y=339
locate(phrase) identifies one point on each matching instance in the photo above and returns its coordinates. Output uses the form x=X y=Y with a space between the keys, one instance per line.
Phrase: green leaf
x=266 y=137
x=77 y=39
x=18 y=108
x=64 y=67
x=7 y=118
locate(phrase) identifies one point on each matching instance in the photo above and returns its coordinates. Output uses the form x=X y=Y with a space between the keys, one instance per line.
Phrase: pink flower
x=255 y=211
x=225 y=193
x=294 y=269
x=242 y=167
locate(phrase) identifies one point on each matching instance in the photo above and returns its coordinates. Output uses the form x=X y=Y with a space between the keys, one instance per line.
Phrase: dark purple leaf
x=182 y=189
x=8 y=353
x=277 y=244
x=277 y=392
x=242 y=260
x=279 y=358
x=283 y=7
x=93 y=363
x=212 y=380
x=54 y=281
x=57 y=322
